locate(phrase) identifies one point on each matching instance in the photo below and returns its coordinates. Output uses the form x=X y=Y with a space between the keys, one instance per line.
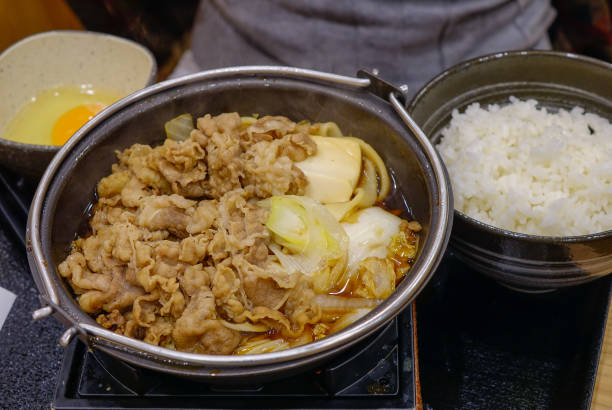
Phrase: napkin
x=6 y=302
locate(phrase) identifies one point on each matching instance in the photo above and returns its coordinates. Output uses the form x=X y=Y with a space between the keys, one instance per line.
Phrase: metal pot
x=365 y=107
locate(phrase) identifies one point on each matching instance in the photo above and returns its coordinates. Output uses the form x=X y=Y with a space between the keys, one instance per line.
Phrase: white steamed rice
x=524 y=169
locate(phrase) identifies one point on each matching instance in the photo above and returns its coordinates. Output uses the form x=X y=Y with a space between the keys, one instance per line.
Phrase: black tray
x=483 y=346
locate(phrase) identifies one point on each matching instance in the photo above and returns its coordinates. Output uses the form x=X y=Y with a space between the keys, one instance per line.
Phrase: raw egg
x=72 y=120
x=52 y=116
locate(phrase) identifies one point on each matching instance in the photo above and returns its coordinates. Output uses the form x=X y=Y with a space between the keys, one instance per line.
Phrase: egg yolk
x=72 y=120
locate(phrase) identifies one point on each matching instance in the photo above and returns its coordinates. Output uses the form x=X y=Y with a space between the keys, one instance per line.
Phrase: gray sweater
x=409 y=42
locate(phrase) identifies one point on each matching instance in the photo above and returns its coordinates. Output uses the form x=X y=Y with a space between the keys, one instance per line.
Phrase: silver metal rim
x=380 y=315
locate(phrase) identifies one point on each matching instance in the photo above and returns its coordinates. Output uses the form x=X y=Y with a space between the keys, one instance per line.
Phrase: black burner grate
x=375 y=374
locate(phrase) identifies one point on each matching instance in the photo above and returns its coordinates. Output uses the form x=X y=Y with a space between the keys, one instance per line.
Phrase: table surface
x=602 y=393
x=30 y=355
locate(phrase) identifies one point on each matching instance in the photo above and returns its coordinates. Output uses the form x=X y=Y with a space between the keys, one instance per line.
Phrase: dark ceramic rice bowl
x=557 y=80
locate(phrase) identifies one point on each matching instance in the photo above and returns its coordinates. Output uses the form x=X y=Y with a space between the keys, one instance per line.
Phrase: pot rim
x=393 y=305
x=473 y=222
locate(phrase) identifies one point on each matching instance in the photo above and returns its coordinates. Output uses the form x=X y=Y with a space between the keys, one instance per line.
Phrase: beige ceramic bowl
x=57 y=58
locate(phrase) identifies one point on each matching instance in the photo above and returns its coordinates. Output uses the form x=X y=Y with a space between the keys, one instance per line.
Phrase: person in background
x=407 y=42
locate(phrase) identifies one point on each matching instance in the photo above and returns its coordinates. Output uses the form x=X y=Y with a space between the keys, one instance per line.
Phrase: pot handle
x=398 y=97
x=445 y=199
x=382 y=88
x=48 y=309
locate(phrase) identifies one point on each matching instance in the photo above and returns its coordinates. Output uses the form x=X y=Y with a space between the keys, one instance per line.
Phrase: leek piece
x=313 y=241
x=289 y=222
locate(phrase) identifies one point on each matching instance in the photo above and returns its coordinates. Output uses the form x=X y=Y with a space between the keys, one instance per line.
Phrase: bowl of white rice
x=527 y=141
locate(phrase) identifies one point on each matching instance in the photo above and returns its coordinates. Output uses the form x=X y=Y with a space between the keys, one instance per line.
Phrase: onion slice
x=245 y=327
x=179 y=128
x=343 y=303
x=262 y=346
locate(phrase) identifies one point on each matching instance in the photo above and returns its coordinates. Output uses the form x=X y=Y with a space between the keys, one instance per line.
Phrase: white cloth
x=6 y=302
x=409 y=42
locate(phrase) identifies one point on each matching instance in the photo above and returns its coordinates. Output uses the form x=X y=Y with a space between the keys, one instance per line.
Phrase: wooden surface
x=20 y=18
x=602 y=393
